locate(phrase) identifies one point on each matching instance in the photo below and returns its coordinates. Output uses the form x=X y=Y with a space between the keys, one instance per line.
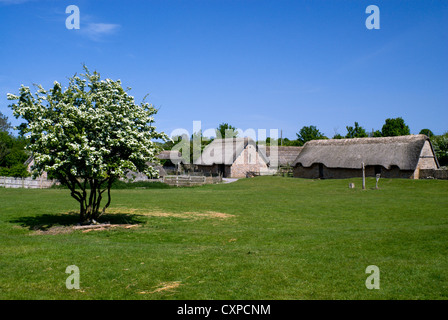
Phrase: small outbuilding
x=232 y=158
x=168 y=160
x=392 y=157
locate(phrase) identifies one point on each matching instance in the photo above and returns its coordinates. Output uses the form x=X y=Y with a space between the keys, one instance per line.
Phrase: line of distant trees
x=12 y=151
x=391 y=127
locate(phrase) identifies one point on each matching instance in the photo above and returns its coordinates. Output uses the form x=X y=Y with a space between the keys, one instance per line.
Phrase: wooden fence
x=189 y=181
x=29 y=183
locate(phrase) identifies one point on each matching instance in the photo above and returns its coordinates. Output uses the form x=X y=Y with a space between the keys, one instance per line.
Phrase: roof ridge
x=368 y=140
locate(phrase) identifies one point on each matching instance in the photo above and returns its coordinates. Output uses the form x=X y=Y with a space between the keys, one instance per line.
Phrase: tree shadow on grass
x=44 y=222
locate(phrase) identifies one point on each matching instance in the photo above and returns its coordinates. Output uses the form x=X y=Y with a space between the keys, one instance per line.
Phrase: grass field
x=259 y=238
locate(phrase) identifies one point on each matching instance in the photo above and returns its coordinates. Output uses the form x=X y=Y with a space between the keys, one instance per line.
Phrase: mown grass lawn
x=259 y=238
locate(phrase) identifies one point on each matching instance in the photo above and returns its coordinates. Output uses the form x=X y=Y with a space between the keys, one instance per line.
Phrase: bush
x=12 y=156
x=18 y=171
x=440 y=144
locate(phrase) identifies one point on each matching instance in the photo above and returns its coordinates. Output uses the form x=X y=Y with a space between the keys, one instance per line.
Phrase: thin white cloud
x=96 y=31
x=14 y=1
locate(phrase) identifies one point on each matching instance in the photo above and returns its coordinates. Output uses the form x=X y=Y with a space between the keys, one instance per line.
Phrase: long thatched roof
x=285 y=155
x=225 y=151
x=174 y=156
x=402 y=151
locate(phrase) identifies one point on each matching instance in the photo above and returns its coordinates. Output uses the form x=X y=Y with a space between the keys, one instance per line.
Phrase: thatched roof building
x=168 y=158
x=232 y=157
x=173 y=155
x=401 y=156
x=225 y=151
x=285 y=156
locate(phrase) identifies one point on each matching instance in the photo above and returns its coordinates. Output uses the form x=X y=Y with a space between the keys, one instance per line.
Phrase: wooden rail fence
x=189 y=181
x=29 y=183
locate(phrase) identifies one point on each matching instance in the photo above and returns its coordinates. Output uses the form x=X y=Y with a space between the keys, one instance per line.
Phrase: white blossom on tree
x=88 y=135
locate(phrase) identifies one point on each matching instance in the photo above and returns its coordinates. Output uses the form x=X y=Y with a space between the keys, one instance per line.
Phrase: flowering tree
x=87 y=136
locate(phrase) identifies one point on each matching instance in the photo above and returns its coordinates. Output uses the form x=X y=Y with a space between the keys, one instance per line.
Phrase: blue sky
x=260 y=64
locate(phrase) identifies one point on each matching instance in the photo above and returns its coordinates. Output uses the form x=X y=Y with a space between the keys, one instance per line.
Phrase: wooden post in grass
x=377 y=178
x=363 y=176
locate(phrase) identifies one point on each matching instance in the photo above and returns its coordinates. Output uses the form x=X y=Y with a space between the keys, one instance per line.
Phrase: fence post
x=363 y=176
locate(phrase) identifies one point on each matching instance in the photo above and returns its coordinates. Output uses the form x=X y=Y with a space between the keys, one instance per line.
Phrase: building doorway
x=222 y=170
x=377 y=170
x=321 y=171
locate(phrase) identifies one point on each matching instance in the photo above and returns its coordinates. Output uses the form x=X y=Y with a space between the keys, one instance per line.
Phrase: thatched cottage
x=168 y=161
x=232 y=157
x=285 y=156
x=392 y=157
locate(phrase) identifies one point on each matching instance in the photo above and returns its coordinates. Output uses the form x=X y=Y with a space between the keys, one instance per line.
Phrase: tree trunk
x=89 y=203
